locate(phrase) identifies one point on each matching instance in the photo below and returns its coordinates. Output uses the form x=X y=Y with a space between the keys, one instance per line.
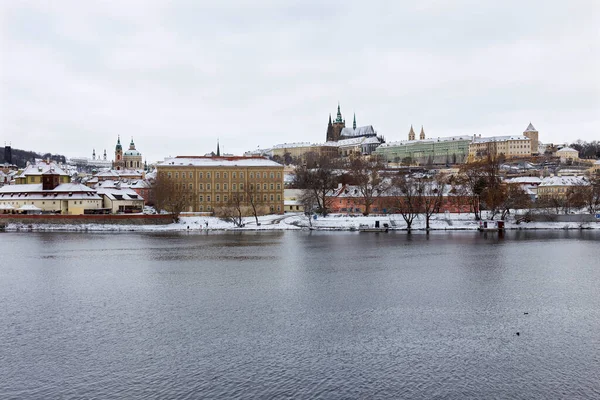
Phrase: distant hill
x=20 y=157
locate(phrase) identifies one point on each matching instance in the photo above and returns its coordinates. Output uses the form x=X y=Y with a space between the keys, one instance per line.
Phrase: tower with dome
x=128 y=159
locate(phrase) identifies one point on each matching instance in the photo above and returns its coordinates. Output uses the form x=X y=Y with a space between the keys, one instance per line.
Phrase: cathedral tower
x=411 y=134
x=335 y=128
x=118 y=164
x=422 y=134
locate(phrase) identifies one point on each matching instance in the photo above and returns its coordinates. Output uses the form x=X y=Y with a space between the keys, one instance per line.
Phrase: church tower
x=118 y=164
x=338 y=125
x=411 y=134
x=532 y=134
x=354 y=123
x=422 y=134
x=93 y=154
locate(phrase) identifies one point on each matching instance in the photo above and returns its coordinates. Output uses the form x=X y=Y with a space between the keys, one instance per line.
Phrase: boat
x=375 y=228
x=491 y=226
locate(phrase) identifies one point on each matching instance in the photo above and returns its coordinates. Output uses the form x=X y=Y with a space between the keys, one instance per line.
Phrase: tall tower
x=8 y=154
x=411 y=134
x=104 y=154
x=532 y=134
x=422 y=134
x=354 y=122
x=218 y=149
x=118 y=164
x=329 y=137
x=93 y=154
x=338 y=125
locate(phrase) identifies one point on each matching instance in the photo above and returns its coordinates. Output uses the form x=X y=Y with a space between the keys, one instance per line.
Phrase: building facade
x=213 y=181
x=442 y=150
x=493 y=147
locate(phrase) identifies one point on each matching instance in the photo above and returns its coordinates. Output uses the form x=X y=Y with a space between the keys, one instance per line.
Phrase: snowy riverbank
x=335 y=222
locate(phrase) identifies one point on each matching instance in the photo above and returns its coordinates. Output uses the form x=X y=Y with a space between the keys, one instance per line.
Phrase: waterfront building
x=441 y=150
x=119 y=199
x=493 y=147
x=212 y=181
x=51 y=195
x=292 y=200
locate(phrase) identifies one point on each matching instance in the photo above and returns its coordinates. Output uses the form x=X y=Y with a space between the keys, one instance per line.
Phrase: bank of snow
x=299 y=221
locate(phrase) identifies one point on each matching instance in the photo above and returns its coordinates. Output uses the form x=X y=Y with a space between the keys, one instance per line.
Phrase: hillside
x=20 y=157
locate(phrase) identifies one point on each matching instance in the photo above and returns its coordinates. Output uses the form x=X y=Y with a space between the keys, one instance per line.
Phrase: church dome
x=132 y=153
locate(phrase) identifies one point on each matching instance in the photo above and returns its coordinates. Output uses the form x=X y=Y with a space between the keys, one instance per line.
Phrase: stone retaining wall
x=86 y=219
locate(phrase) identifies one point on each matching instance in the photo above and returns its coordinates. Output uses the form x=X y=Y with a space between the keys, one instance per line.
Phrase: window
x=208 y=199
x=225 y=175
x=176 y=175
x=233 y=175
x=224 y=186
x=191 y=186
x=218 y=198
x=201 y=186
x=241 y=186
x=201 y=198
x=201 y=208
x=218 y=186
x=264 y=186
x=279 y=186
x=233 y=186
x=225 y=198
x=279 y=175
x=207 y=208
x=251 y=175
x=264 y=197
x=201 y=175
x=218 y=175
x=208 y=175
x=278 y=197
x=272 y=197
x=272 y=175
x=183 y=175
x=169 y=175
x=241 y=175
x=272 y=186
x=264 y=175
x=208 y=186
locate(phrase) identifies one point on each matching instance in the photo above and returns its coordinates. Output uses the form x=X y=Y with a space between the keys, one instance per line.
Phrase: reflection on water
x=300 y=315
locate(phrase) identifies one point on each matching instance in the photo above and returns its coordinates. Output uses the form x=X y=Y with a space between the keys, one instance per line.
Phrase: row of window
x=209 y=208
x=185 y=175
x=226 y=198
x=234 y=186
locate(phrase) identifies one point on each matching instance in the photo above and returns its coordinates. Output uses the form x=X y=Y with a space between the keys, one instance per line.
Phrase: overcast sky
x=177 y=75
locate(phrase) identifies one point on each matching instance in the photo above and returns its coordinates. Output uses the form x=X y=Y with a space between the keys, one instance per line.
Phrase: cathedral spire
x=411 y=133
x=354 y=123
x=422 y=134
x=218 y=149
x=339 y=119
x=329 y=118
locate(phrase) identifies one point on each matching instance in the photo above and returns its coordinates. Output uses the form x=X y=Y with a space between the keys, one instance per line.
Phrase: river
x=331 y=315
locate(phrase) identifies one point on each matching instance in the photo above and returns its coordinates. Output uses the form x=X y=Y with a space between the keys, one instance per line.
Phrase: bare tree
x=254 y=200
x=430 y=194
x=233 y=211
x=405 y=199
x=515 y=198
x=317 y=184
x=171 y=196
x=371 y=185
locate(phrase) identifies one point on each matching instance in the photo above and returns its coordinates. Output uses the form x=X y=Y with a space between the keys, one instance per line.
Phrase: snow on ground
x=300 y=221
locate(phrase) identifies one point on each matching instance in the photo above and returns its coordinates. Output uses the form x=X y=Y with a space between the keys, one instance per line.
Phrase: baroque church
x=130 y=159
x=337 y=129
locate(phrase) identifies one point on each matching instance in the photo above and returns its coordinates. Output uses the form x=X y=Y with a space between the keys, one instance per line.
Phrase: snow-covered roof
x=564 y=181
x=430 y=140
x=498 y=138
x=132 y=153
x=567 y=150
x=360 y=131
x=37 y=187
x=530 y=128
x=291 y=145
x=532 y=180
x=119 y=194
x=199 y=161
x=42 y=168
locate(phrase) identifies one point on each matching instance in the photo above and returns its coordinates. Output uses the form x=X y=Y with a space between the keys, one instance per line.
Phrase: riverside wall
x=86 y=219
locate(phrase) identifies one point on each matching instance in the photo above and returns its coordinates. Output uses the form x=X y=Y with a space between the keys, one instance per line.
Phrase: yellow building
x=50 y=196
x=303 y=150
x=559 y=186
x=567 y=154
x=497 y=146
x=211 y=181
x=33 y=173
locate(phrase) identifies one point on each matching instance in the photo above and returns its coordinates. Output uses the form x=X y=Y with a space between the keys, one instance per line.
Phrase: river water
x=300 y=315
